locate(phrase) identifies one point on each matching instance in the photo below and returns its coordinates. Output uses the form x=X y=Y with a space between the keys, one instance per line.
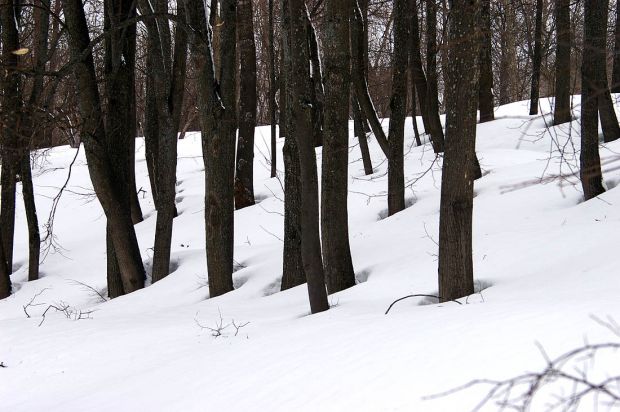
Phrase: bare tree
x=536 y=59
x=337 y=261
x=244 y=176
x=486 y=103
x=561 y=110
x=457 y=182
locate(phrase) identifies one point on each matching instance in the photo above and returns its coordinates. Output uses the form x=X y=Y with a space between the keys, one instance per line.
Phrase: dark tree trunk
x=337 y=262
x=398 y=108
x=272 y=91
x=595 y=19
x=100 y=165
x=120 y=48
x=360 y=133
x=136 y=210
x=536 y=59
x=302 y=117
x=562 y=111
x=455 y=219
x=150 y=128
x=318 y=91
x=244 y=178
x=5 y=275
x=34 y=238
x=414 y=114
x=609 y=121
x=10 y=119
x=431 y=65
x=486 y=104
x=168 y=64
x=428 y=103
x=293 y=273
x=359 y=81
x=615 y=77
x=218 y=119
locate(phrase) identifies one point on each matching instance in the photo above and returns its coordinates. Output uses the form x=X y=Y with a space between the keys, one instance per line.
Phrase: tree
x=486 y=104
x=457 y=183
x=302 y=116
x=244 y=177
x=398 y=108
x=100 y=165
x=218 y=121
x=167 y=83
x=536 y=59
x=615 y=78
x=272 y=90
x=592 y=87
x=337 y=261
x=561 y=110
x=293 y=273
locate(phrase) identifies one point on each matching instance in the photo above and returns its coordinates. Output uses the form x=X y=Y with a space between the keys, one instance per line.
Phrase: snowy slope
x=548 y=262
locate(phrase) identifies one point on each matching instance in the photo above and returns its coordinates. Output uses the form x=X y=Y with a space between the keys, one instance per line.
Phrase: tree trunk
x=272 y=91
x=293 y=273
x=337 y=262
x=398 y=108
x=100 y=166
x=455 y=219
x=360 y=83
x=34 y=238
x=302 y=117
x=615 y=77
x=244 y=178
x=316 y=79
x=507 y=68
x=5 y=275
x=594 y=33
x=536 y=59
x=218 y=119
x=562 y=110
x=360 y=133
x=428 y=103
x=486 y=104
x=10 y=119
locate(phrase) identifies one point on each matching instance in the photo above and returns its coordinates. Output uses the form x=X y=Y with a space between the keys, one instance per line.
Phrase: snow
x=547 y=260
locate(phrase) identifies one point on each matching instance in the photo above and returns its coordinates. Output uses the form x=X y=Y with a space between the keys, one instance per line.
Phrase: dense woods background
x=96 y=74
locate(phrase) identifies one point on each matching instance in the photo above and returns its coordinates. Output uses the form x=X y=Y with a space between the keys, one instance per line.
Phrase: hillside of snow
x=546 y=263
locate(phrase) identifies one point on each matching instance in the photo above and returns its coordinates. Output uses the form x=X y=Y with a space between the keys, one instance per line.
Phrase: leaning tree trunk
x=359 y=81
x=360 y=133
x=455 y=219
x=536 y=59
x=595 y=19
x=398 y=108
x=337 y=262
x=34 y=238
x=100 y=166
x=293 y=273
x=218 y=119
x=428 y=103
x=562 y=110
x=302 y=116
x=244 y=177
x=486 y=64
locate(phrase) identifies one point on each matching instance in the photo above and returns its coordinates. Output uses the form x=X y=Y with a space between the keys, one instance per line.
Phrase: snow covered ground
x=547 y=260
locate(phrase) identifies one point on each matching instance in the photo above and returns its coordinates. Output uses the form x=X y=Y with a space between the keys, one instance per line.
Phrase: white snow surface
x=548 y=261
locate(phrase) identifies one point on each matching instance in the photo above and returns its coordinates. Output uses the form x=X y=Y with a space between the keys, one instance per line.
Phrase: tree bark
x=486 y=104
x=272 y=91
x=360 y=133
x=398 y=108
x=594 y=33
x=562 y=110
x=455 y=219
x=293 y=273
x=244 y=177
x=218 y=119
x=34 y=238
x=302 y=117
x=337 y=262
x=615 y=78
x=100 y=166
x=428 y=104
x=536 y=59
x=5 y=275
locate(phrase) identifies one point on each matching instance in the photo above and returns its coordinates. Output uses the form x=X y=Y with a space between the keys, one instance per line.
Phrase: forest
x=309 y=204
